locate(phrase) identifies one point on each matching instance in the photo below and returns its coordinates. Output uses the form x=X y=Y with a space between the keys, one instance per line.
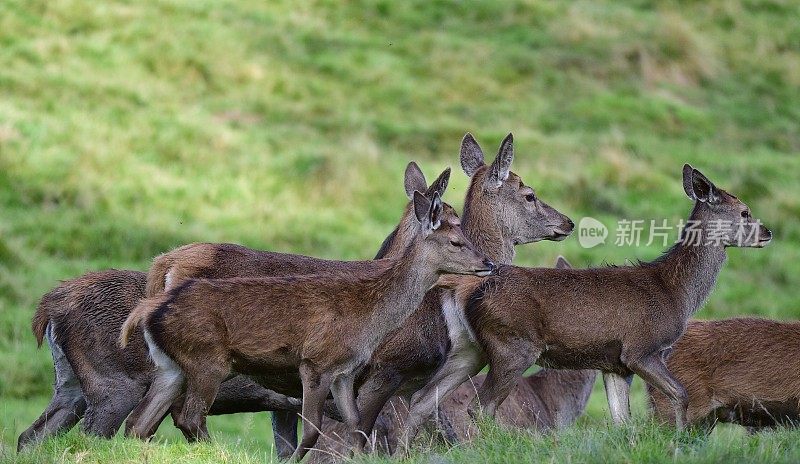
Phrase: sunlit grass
x=128 y=128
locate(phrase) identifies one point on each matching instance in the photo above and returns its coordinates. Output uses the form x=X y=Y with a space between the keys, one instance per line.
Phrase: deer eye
x=745 y=214
x=530 y=197
x=456 y=244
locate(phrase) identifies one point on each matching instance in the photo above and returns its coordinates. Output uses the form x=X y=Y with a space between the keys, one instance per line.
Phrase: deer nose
x=571 y=224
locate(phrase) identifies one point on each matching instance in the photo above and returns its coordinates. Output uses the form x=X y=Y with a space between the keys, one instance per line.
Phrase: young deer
x=98 y=381
x=326 y=326
x=500 y=211
x=546 y=400
x=216 y=261
x=94 y=378
x=616 y=319
x=740 y=370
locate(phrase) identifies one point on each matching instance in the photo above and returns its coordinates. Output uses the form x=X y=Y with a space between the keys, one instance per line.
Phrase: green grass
x=128 y=128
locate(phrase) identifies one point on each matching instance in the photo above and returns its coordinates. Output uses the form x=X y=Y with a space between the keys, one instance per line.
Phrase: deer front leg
x=652 y=370
x=284 y=428
x=617 y=393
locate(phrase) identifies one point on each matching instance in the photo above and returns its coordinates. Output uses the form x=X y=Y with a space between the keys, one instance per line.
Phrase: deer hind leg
x=344 y=395
x=618 y=394
x=651 y=369
x=316 y=386
x=67 y=405
x=109 y=403
x=373 y=395
x=507 y=362
x=164 y=390
x=202 y=383
x=461 y=364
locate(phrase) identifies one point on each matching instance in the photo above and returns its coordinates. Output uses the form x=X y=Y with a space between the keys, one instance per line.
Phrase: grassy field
x=128 y=128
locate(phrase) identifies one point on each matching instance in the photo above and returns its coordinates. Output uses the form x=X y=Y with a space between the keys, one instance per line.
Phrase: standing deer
x=618 y=320
x=548 y=399
x=98 y=381
x=325 y=326
x=94 y=378
x=500 y=211
x=740 y=370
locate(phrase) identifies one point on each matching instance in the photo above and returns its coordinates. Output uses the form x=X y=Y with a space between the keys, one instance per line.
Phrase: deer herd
x=370 y=352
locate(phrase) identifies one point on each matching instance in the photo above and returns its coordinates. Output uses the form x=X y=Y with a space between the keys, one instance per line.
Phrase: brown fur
x=498 y=214
x=615 y=319
x=740 y=370
x=95 y=379
x=98 y=303
x=325 y=325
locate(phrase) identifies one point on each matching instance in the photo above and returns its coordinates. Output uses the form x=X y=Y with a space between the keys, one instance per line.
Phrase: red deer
x=548 y=399
x=740 y=370
x=500 y=211
x=98 y=381
x=324 y=326
x=618 y=320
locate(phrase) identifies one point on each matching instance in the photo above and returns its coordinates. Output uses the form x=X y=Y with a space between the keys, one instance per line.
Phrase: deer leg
x=344 y=395
x=507 y=363
x=109 y=403
x=284 y=428
x=202 y=384
x=164 y=390
x=460 y=365
x=617 y=392
x=67 y=406
x=373 y=394
x=653 y=371
x=316 y=386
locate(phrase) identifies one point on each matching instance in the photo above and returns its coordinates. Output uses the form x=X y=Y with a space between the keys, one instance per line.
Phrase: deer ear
x=471 y=155
x=435 y=212
x=501 y=165
x=439 y=185
x=687 y=181
x=421 y=207
x=414 y=180
x=562 y=263
x=698 y=187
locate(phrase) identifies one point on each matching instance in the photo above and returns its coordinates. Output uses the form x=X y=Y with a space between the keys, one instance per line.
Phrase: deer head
x=720 y=216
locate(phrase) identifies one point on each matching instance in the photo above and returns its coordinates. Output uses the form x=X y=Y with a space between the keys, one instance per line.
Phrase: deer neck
x=395 y=244
x=480 y=226
x=690 y=268
x=402 y=288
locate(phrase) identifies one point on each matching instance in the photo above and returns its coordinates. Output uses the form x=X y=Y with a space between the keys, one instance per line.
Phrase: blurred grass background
x=128 y=128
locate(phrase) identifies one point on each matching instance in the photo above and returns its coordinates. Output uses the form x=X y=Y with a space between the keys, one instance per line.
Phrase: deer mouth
x=762 y=242
x=559 y=235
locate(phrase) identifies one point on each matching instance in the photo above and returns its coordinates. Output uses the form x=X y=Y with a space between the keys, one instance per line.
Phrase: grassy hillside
x=128 y=128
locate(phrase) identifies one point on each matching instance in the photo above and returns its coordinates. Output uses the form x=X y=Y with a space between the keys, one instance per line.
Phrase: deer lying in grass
x=616 y=319
x=548 y=399
x=500 y=211
x=102 y=383
x=326 y=326
x=740 y=370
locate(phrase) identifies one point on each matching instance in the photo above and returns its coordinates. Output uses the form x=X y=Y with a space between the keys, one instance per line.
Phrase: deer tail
x=41 y=318
x=157 y=274
x=141 y=312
